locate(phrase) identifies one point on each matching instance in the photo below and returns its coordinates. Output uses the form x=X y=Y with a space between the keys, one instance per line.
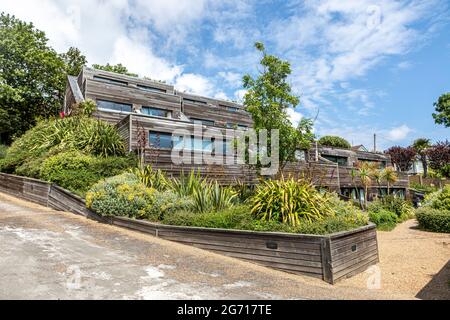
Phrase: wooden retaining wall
x=331 y=257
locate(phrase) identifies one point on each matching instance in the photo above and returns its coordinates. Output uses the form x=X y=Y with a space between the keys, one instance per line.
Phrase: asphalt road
x=46 y=254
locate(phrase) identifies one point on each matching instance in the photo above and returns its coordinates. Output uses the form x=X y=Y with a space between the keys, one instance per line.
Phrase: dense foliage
x=74 y=61
x=433 y=219
x=32 y=77
x=388 y=211
x=74 y=152
x=334 y=141
x=288 y=201
x=193 y=201
x=118 y=68
x=402 y=157
x=435 y=213
x=123 y=195
x=442 y=115
x=439 y=158
x=77 y=172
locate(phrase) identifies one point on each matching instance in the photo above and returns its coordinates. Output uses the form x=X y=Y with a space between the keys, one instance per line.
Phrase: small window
x=232 y=109
x=155 y=112
x=242 y=126
x=160 y=140
x=342 y=161
x=113 y=81
x=203 y=121
x=194 y=101
x=231 y=125
x=116 y=106
x=151 y=89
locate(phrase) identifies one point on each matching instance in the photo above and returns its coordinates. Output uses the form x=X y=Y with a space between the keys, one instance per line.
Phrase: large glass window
x=342 y=161
x=160 y=140
x=155 y=112
x=116 y=106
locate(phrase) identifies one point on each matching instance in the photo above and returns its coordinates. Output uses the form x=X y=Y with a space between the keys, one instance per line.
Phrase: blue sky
x=366 y=66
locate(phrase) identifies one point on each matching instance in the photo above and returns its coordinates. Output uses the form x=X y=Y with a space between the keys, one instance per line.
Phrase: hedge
x=433 y=219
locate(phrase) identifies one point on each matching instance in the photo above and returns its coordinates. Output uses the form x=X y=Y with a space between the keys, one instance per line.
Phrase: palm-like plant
x=390 y=176
x=364 y=173
x=421 y=146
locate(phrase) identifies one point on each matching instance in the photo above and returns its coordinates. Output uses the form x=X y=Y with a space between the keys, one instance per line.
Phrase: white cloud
x=239 y=95
x=233 y=79
x=139 y=58
x=194 y=83
x=399 y=133
x=294 y=116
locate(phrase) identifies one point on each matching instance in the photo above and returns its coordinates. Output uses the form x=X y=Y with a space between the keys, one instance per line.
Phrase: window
x=242 y=126
x=381 y=164
x=113 y=81
x=116 y=106
x=204 y=122
x=342 y=161
x=231 y=125
x=151 y=89
x=155 y=112
x=232 y=109
x=194 y=101
x=160 y=140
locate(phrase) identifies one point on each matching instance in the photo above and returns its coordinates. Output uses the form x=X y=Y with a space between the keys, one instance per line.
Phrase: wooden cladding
x=329 y=257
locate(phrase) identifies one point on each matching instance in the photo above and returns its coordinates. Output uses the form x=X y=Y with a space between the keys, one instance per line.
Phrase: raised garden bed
x=330 y=257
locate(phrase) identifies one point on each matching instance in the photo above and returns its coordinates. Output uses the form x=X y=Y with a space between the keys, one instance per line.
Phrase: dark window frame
x=116 y=103
x=110 y=80
x=166 y=112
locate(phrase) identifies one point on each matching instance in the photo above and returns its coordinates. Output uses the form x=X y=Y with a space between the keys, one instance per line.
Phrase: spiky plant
x=390 y=176
x=288 y=201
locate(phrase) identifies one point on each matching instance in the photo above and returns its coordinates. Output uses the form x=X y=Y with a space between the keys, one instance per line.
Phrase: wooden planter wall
x=331 y=257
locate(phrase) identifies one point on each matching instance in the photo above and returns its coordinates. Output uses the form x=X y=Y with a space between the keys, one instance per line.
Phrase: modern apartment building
x=148 y=112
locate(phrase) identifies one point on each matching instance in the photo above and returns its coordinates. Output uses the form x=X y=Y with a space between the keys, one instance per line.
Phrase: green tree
x=334 y=141
x=442 y=115
x=268 y=98
x=118 y=68
x=421 y=146
x=74 y=61
x=32 y=77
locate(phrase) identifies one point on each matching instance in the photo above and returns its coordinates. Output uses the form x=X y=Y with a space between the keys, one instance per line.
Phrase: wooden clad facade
x=142 y=107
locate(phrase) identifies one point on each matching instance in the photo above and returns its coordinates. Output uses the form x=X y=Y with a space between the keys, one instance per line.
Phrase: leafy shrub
x=77 y=172
x=3 y=150
x=88 y=135
x=288 y=201
x=166 y=203
x=433 y=219
x=424 y=188
x=401 y=208
x=334 y=141
x=439 y=200
x=212 y=196
x=384 y=219
x=122 y=195
x=240 y=218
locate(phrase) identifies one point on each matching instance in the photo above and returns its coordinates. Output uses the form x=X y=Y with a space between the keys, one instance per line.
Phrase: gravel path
x=412 y=262
x=48 y=254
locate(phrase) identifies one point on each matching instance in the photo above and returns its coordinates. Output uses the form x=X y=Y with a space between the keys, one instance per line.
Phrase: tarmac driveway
x=46 y=254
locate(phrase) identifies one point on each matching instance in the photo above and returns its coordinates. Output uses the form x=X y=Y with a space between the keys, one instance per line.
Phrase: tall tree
x=74 y=61
x=439 y=157
x=32 y=77
x=403 y=158
x=268 y=98
x=421 y=146
x=118 y=68
x=442 y=115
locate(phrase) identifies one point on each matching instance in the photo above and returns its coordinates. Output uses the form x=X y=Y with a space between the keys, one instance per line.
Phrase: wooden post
x=325 y=252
